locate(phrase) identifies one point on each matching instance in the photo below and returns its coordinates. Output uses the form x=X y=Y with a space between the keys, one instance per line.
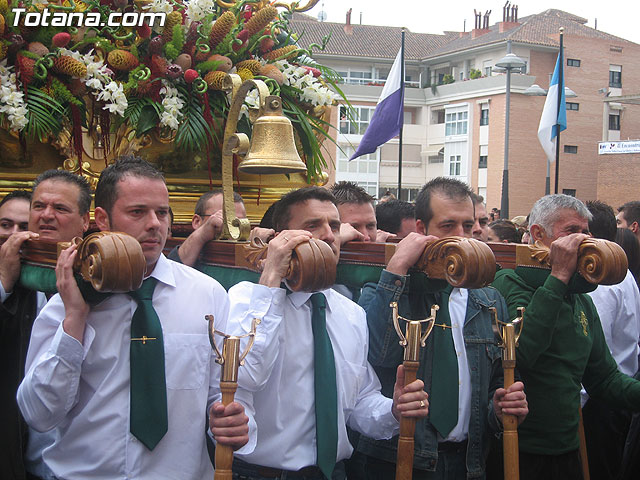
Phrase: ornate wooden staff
x=113 y=262
x=508 y=343
x=412 y=340
x=230 y=359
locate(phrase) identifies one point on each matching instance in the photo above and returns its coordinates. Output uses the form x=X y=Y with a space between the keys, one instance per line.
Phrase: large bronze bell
x=272 y=147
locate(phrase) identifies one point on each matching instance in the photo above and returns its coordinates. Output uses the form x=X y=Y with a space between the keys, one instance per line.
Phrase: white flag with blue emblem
x=553 y=120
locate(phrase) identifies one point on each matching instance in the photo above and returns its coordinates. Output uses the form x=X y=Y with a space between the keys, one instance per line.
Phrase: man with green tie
x=459 y=359
x=127 y=382
x=306 y=377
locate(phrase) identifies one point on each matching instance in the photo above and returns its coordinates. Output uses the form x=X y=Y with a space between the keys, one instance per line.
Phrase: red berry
x=61 y=39
x=190 y=75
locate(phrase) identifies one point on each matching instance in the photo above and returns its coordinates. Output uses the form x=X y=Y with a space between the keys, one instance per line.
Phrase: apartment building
x=455 y=106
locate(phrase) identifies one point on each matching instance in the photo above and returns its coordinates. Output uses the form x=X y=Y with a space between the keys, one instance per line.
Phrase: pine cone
x=253 y=66
x=1 y=24
x=284 y=52
x=122 y=60
x=4 y=7
x=261 y=19
x=221 y=28
x=245 y=74
x=215 y=80
x=173 y=19
x=69 y=66
x=3 y=50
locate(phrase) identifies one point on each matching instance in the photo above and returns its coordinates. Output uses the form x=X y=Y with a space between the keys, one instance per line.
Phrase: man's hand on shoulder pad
x=408 y=252
x=75 y=308
x=564 y=256
x=10 y=258
x=278 y=258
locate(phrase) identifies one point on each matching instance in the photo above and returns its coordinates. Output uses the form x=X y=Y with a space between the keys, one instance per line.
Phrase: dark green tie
x=326 y=394
x=148 y=384
x=443 y=401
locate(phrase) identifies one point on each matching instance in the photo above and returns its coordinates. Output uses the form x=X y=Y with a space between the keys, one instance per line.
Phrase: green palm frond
x=194 y=132
x=44 y=114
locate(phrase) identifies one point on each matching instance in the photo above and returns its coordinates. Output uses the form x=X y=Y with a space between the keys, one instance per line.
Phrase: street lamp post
x=509 y=62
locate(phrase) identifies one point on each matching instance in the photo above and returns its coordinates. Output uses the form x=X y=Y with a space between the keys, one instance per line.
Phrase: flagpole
x=560 y=93
x=402 y=121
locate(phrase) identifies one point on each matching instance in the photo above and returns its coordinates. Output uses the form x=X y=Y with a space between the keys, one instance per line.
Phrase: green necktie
x=148 y=421
x=326 y=394
x=443 y=401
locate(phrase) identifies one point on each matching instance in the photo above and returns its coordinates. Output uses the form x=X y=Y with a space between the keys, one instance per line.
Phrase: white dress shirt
x=619 y=311
x=458 y=312
x=82 y=390
x=276 y=382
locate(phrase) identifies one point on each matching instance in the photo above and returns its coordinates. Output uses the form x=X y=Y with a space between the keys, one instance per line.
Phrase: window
x=361 y=165
x=615 y=76
x=569 y=191
x=573 y=106
x=573 y=62
x=435 y=159
x=456 y=123
x=408 y=194
x=614 y=121
x=570 y=149
x=484 y=116
x=357 y=125
x=486 y=66
x=454 y=165
x=482 y=163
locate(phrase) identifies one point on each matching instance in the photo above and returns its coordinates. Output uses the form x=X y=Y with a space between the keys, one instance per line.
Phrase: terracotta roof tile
x=366 y=40
x=384 y=42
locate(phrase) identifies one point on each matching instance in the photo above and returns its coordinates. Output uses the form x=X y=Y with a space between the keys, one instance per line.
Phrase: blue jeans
x=451 y=466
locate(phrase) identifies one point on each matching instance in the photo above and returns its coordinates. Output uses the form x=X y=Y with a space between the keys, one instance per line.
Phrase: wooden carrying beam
x=455 y=259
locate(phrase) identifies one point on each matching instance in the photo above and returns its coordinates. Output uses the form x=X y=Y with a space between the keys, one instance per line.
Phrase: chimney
x=481 y=24
x=509 y=17
x=348 y=28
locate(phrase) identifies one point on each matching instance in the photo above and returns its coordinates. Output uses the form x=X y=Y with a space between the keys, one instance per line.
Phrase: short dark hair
x=506 y=230
x=84 y=198
x=16 y=195
x=126 y=165
x=603 y=222
x=350 y=192
x=201 y=205
x=267 y=218
x=282 y=210
x=390 y=214
x=629 y=243
x=631 y=212
x=449 y=187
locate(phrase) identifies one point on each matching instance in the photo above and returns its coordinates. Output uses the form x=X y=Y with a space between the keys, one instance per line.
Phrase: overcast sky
x=618 y=17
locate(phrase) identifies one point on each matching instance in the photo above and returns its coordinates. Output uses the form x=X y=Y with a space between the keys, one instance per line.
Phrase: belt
x=452 y=446
x=242 y=467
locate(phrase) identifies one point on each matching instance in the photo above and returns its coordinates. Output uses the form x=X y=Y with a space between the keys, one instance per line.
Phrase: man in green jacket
x=562 y=344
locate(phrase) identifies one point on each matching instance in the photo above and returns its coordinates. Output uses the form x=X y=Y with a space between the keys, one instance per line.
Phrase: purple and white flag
x=388 y=116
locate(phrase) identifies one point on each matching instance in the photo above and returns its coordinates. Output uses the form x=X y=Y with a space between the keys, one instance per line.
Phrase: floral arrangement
x=164 y=78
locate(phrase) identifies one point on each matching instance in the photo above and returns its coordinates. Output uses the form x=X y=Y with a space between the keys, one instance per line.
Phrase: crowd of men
x=125 y=385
